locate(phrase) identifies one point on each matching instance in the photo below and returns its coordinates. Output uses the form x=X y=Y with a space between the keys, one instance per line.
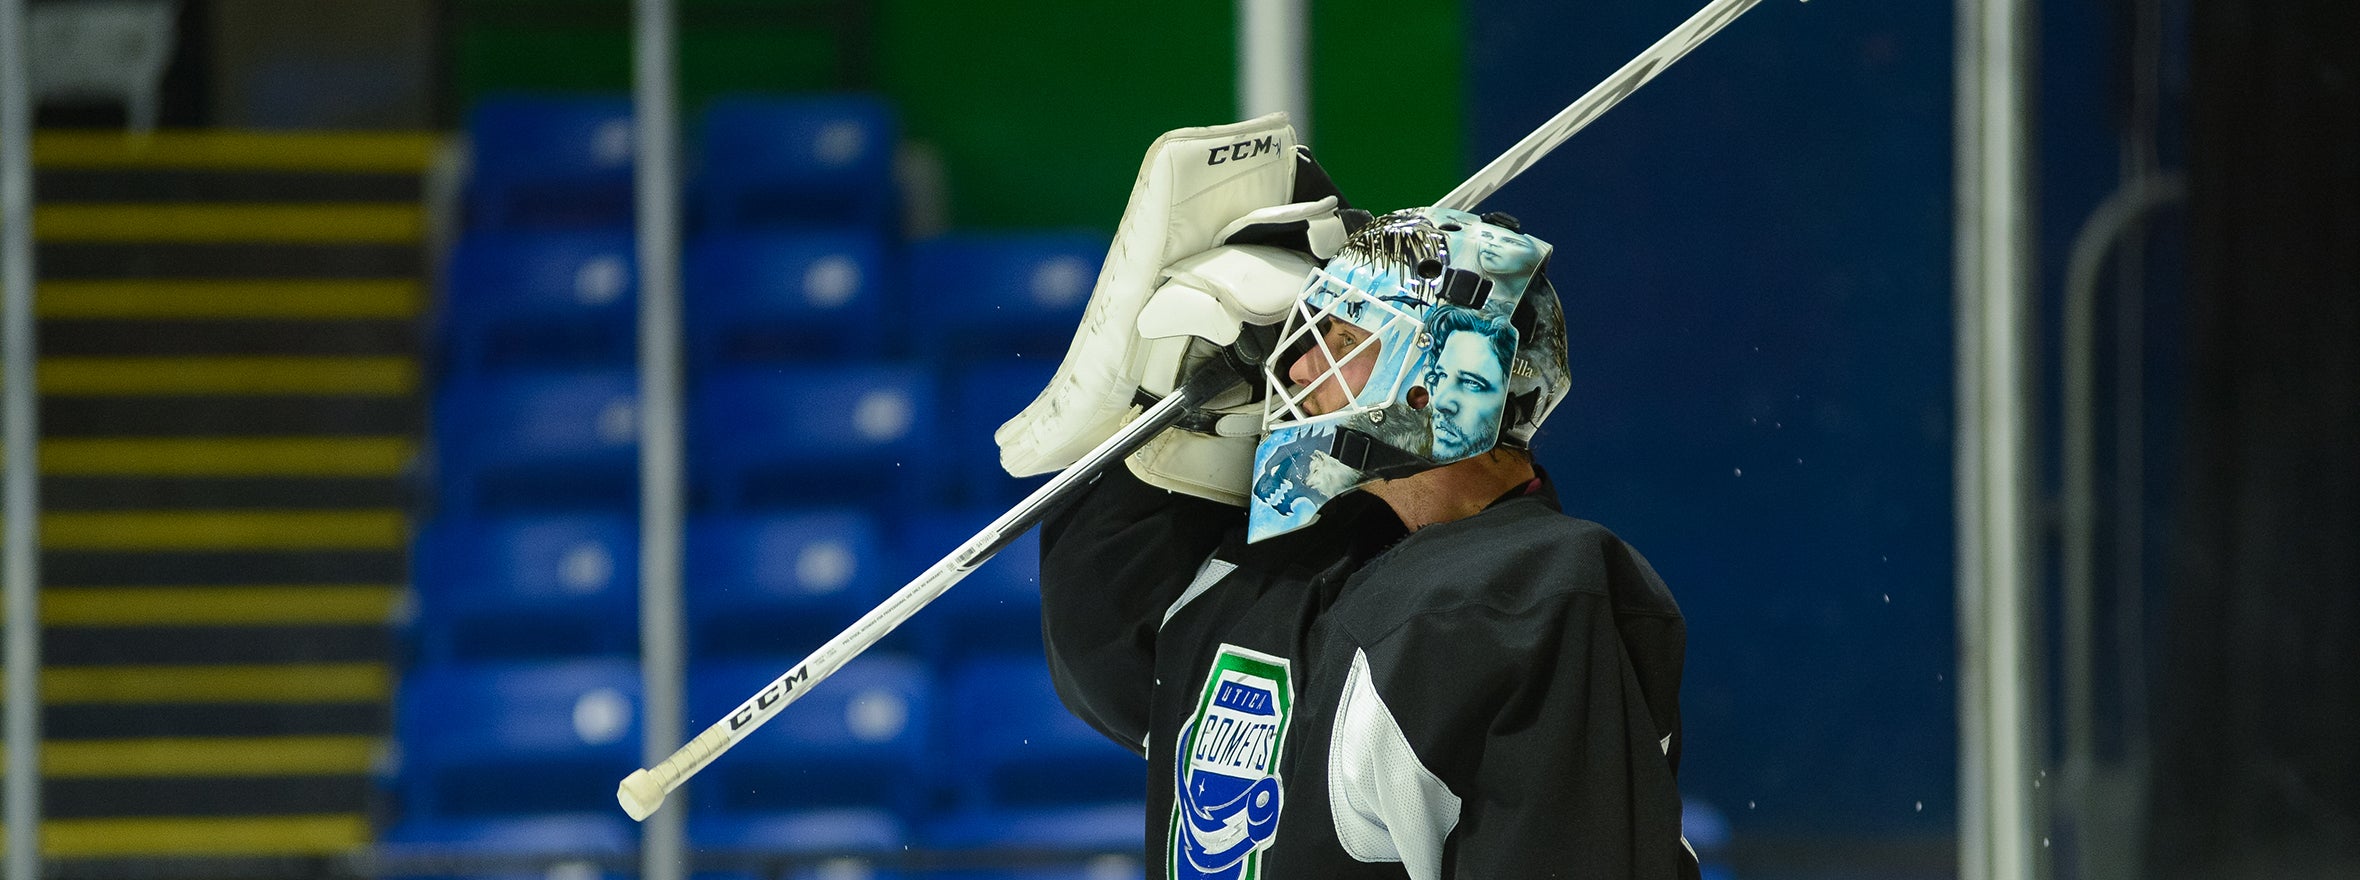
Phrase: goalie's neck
x=1454 y=491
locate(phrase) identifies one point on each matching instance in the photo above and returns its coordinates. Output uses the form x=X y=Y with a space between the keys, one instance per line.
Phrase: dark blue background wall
x=1755 y=253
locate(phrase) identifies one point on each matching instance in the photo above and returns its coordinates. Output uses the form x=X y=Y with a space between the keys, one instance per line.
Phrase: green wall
x=585 y=45
x=1388 y=100
x=1040 y=109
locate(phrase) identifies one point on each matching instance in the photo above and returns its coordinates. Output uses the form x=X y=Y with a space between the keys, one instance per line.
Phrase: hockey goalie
x=1338 y=609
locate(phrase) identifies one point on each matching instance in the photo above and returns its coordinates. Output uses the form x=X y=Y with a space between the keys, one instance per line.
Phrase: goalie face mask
x=1431 y=338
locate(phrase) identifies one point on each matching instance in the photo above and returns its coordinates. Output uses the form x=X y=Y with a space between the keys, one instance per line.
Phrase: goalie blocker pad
x=1204 y=302
x=1193 y=184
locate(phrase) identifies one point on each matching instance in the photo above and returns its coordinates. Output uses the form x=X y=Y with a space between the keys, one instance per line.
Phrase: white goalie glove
x=1175 y=288
x=1200 y=308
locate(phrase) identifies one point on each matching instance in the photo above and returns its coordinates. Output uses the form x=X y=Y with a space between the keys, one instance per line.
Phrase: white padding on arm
x=1209 y=295
x=1388 y=806
x=1212 y=468
x=1323 y=230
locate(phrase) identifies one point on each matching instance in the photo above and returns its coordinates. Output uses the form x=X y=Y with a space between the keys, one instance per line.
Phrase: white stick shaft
x=941 y=576
x=907 y=601
x=1698 y=28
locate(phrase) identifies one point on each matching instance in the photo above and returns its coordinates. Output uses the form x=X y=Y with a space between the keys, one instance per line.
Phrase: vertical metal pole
x=2103 y=792
x=2141 y=167
x=1271 y=72
x=1996 y=692
x=662 y=845
x=22 y=549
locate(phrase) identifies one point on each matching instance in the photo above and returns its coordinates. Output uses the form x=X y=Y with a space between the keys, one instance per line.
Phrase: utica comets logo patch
x=1227 y=769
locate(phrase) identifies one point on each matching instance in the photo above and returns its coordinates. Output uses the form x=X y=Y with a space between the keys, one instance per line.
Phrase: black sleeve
x=1111 y=562
x=1541 y=724
x=1573 y=765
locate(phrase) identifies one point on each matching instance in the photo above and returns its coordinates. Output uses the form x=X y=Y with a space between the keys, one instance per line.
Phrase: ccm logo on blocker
x=1241 y=150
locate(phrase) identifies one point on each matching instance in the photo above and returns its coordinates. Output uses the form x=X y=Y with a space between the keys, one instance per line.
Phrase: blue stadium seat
x=1104 y=866
x=815 y=868
x=1706 y=829
x=756 y=297
x=996 y=610
x=1028 y=774
x=813 y=435
x=541 y=440
x=777 y=584
x=545 y=161
x=524 y=739
x=539 y=299
x=983 y=397
x=527 y=587
x=812 y=160
x=554 y=838
x=839 y=770
x=997 y=297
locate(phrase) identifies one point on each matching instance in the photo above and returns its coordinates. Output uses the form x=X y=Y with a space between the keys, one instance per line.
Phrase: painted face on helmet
x=1400 y=356
x=1468 y=382
x=1504 y=252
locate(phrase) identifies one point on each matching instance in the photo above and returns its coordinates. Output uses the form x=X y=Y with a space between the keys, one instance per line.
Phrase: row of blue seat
x=878 y=757
x=865 y=434
x=567 y=585
x=829 y=363
x=909 y=866
x=543 y=161
x=569 y=299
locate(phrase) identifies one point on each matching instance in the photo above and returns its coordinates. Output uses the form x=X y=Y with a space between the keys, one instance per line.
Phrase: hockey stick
x=644 y=790
x=1698 y=28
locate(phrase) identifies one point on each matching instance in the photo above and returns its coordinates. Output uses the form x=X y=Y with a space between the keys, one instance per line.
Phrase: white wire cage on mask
x=1395 y=340
x=1421 y=283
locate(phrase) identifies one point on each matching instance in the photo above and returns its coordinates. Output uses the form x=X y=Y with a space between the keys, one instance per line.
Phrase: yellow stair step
x=146 y=530
x=385 y=152
x=219 y=606
x=227 y=456
x=260 y=298
x=372 y=222
x=327 y=834
x=207 y=756
x=271 y=683
x=273 y=374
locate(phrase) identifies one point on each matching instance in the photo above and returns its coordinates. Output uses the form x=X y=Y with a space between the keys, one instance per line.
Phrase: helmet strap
x=1361 y=452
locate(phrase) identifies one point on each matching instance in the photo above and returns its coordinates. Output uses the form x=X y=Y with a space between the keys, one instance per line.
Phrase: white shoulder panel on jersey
x=1388 y=806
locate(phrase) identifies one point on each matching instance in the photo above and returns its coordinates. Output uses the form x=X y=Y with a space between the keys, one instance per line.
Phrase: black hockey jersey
x=1493 y=697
